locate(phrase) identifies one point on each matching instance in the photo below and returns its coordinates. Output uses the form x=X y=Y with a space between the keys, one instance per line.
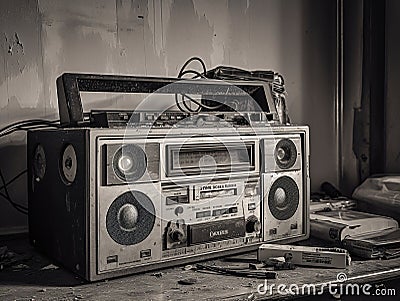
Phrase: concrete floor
x=27 y=275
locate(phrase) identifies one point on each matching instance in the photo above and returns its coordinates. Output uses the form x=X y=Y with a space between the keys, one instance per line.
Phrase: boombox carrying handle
x=69 y=86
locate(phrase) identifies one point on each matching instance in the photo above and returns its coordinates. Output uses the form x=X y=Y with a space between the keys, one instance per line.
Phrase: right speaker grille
x=283 y=198
x=285 y=153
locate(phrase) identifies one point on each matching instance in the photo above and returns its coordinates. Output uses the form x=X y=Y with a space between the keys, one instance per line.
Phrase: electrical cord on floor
x=6 y=195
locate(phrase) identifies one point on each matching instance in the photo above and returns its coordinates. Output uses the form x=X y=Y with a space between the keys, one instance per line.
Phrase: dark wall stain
x=15 y=46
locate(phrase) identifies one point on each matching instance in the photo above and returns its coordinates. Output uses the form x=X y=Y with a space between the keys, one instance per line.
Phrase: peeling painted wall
x=42 y=39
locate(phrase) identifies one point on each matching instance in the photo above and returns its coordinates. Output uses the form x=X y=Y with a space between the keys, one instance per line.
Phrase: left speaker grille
x=129 y=162
x=130 y=218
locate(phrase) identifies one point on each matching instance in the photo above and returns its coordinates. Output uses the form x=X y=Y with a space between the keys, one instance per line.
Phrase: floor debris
x=187 y=281
x=157 y=275
x=50 y=267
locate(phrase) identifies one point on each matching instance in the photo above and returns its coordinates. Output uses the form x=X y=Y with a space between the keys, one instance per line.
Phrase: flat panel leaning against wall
x=42 y=39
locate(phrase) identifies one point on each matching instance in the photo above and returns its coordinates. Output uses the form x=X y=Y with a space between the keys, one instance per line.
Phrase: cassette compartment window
x=199 y=159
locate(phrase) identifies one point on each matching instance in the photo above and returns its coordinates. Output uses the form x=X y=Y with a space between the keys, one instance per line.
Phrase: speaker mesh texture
x=145 y=218
x=283 y=205
x=138 y=160
x=290 y=153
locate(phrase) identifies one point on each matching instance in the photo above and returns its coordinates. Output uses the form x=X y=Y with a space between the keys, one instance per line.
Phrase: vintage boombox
x=106 y=202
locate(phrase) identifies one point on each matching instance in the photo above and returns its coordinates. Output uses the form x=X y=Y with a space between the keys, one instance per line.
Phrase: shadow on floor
x=20 y=264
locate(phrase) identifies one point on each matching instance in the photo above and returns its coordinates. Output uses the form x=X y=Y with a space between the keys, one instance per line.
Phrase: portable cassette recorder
x=106 y=202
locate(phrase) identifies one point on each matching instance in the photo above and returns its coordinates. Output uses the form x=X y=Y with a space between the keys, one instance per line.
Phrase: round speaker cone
x=125 y=163
x=129 y=162
x=283 y=198
x=280 y=154
x=280 y=196
x=69 y=164
x=285 y=153
x=130 y=218
x=39 y=163
x=127 y=217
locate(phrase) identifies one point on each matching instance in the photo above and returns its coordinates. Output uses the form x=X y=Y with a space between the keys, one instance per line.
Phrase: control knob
x=177 y=235
x=252 y=224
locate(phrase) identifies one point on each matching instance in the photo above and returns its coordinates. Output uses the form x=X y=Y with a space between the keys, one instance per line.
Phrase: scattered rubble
x=187 y=281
